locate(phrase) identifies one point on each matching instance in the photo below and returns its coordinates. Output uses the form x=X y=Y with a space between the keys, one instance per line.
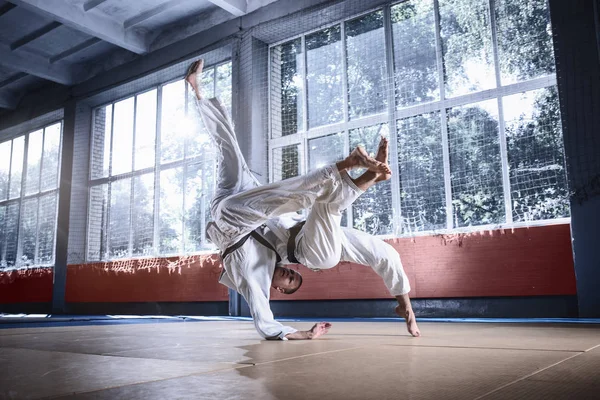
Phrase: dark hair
x=291 y=291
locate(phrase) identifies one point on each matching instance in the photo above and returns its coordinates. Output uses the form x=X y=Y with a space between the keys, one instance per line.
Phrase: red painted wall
x=193 y=278
x=26 y=286
x=520 y=262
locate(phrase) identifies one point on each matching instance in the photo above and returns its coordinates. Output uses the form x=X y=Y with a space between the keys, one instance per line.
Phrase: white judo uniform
x=241 y=205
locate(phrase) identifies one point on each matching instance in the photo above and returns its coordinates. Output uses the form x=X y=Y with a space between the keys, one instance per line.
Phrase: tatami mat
x=357 y=360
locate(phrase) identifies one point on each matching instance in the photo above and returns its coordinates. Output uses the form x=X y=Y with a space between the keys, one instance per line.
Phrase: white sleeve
x=362 y=248
x=249 y=266
x=265 y=323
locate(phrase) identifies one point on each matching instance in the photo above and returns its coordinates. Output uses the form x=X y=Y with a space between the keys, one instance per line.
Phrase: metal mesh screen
x=152 y=172
x=465 y=89
x=29 y=171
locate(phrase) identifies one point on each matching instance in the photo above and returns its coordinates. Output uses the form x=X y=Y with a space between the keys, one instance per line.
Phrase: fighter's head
x=286 y=280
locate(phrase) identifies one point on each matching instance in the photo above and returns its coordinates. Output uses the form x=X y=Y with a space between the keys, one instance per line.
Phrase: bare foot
x=382 y=156
x=360 y=159
x=411 y=320
x=192 y=76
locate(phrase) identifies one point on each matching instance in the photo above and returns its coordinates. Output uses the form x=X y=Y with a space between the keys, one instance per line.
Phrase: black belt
x=258 y=237
x=291 y=244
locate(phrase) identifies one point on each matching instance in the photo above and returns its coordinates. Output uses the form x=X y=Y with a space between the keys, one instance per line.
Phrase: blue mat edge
x=8 y=321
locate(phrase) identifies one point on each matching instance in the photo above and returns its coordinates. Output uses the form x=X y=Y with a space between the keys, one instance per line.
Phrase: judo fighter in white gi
x=257 y=230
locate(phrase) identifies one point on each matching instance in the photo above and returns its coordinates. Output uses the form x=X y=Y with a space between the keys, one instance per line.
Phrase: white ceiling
x=68 y=41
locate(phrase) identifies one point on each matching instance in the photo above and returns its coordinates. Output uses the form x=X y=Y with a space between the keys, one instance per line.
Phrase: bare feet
x=411 y=320
x=382 y=156
x=360 y=159
x=192 y=76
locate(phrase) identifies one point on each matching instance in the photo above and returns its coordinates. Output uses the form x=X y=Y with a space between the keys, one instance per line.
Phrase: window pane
x=28 y=232
x=51 y=157
x=199 y=190
x=9 y=256
x=5 y=149
x=172 y=134
x=536 y=155
x=416 y=75
x=97 y=223
x=287 y=64
x=286 y=162
x=143 y=215
x=372 y=212
x=524 y=39
x=422 y=201
x=475 y=167
x=324 y=66
x=208 y=83
x=171 y=211
x=34 y=158
x=145 y=130
x=365 y=47
x=122 y=152
x=101 y=142
x=467 y=46
x=223 y=85
x=47 y=229
x=120 y=213
x=325 y=150
x=16 y=171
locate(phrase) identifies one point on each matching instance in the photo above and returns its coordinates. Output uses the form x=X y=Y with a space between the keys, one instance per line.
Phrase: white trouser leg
x=243 y=212
x=233 y=174
x=318 y=244
x=362 y=248
x=240 y=204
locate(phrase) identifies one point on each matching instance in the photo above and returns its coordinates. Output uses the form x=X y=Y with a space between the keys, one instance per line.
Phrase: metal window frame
x=156 y=169
x=501 y=123
x=393 y=114
x=392 y=121
x=37 y=195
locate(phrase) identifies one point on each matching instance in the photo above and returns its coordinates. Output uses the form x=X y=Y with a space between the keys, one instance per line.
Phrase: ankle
x=404 y=310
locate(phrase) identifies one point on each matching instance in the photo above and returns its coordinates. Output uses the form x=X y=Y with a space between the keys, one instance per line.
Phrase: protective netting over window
x=464 y=89
x=152 y=172
x=29 y=182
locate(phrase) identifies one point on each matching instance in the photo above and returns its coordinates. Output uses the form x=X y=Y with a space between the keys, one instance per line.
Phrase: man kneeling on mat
x=257 y=231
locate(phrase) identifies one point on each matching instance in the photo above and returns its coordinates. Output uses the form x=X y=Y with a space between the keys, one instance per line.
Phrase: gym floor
x=225 y=359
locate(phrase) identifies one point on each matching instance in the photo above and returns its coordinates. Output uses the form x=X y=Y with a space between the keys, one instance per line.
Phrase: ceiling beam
x=190 y=26
x=73 y=50
x=98 y=25
x=35 y=65
x=34 y=35
x=151 y=13
x=235 y=7
x=88 y=5
x=6 y=8
x=8 y=100
x=12 y=79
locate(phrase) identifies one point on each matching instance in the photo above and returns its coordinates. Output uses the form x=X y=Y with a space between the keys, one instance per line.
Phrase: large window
x=152 y=172
x=465 y=89
x=29 y=177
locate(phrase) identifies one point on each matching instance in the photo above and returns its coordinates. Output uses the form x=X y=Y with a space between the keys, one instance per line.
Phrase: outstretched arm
x=264 y=322
x=268 y=327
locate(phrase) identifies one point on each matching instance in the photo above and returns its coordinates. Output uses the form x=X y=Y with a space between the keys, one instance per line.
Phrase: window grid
x=501 y=127
x=181 y=163
x=394 y=114
x=392 y=122
x=12 y=230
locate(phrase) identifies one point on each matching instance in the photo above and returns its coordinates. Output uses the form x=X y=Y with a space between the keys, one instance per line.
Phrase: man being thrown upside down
x=256 y=237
